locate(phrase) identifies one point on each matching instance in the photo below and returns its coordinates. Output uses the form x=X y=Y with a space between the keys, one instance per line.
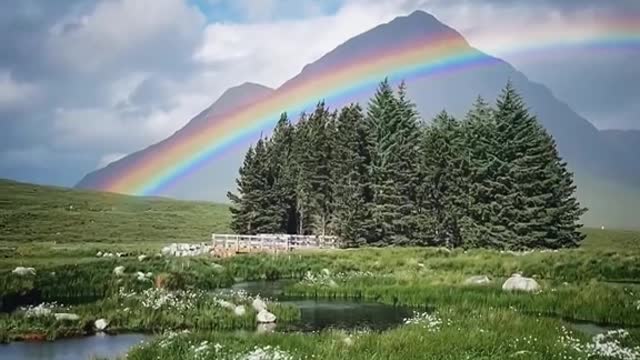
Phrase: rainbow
x=205 y=142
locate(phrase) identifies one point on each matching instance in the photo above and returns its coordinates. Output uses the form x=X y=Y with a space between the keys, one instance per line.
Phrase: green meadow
x=591 y=290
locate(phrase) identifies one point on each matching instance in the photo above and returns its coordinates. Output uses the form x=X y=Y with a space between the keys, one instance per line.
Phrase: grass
x=59 y=231
x=476 y=334
x=42 y=216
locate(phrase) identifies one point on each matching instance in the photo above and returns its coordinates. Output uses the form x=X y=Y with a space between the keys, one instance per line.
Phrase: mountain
x=205 y=185
x=589 y=152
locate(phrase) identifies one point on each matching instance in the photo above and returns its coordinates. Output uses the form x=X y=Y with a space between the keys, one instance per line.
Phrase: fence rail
x=270 y=242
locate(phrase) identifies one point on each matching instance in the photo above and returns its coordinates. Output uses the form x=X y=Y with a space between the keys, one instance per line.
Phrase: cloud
x=82 y=81
x=13 y=93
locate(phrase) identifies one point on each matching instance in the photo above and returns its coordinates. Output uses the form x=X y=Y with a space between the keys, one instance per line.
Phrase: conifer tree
x=444 y=173
x=350 y=178
x=243 y=204
x=281 y=157
x=530 y=171
x=383 y=122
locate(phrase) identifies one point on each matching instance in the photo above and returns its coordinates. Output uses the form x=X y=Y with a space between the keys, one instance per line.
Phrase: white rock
x=478 y=280
x=326 y=271
x=239 y=310
x=101 y=324
x=119 y=270
x=258 y=304
x=22 y=271
x=348 y=341
x=266 y=328
x=67 y=316
x=265 y=317
x=227 y=305
x=142 y=257
x=99 y=254
x=518 y=282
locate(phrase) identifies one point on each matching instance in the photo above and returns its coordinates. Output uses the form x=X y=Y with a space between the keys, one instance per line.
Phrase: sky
x=85 y=82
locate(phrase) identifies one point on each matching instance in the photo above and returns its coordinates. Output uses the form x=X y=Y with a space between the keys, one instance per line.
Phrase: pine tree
x=533 y=188
x=480 y=138
x=255 y=209
x=281 y=159
x=407 y=176
x=243 y=206
x=383 y=122
x=319 y=154
x=443 y=168
x=350 y=178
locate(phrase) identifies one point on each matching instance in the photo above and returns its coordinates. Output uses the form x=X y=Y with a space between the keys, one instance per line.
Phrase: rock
x=239 y=310
x=119 y=270
x=99 y=254
x=266 y=328
x=478 y=280
x=101 y=324
x=67 y=316
x=518 y=282
x=142 y=257
x=258 y=304
x=265 y=317
x=326 y=272
x=227 y=305
x=420 y=265
x=348 y=341
x=22 y=271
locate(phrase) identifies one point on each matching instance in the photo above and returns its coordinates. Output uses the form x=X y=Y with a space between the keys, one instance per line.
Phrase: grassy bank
x=58 y=232
x=448 y=334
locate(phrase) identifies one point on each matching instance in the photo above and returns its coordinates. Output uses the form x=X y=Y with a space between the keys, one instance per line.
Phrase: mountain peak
x=402 y=30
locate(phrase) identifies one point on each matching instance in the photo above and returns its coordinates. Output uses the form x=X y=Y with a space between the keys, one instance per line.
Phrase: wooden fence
x=227 y=244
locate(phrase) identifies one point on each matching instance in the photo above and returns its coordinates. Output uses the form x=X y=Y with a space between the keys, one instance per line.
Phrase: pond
x=316 y=314
x=103 y=346
x=319 y=314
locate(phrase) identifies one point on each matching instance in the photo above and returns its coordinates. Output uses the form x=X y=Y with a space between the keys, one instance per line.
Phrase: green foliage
x=494 y=180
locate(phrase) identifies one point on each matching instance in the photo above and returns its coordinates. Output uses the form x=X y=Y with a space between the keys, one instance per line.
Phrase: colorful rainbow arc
x=192 y=148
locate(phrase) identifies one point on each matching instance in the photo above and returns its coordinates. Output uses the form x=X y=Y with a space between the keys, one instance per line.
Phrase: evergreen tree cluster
x=381 y=176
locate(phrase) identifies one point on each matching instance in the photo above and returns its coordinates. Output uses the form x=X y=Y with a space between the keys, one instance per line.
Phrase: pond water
x=103 y=346
x=319 y=314
x=316 y=314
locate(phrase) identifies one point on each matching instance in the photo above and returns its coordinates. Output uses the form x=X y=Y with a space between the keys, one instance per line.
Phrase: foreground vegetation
x=176 y=298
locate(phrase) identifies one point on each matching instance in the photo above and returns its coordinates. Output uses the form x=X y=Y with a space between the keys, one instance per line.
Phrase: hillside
x=50 y=217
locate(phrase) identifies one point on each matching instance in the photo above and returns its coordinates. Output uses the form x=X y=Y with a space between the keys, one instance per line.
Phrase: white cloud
x=115 y=29
x=272 y=52
x=14 y=93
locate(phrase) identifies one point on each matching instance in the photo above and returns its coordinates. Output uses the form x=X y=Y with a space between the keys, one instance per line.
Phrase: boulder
x=239 y=310
x=142 y=257
x=119 y=270
x=258 y=304
x=265 y=317
x=326 y=272
x=266 y=328
x=227 y=305
x=518 y=282
x=22 y=271
x=101 y=324
x=67 y=316
x=478 y=280
x=99 y=254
